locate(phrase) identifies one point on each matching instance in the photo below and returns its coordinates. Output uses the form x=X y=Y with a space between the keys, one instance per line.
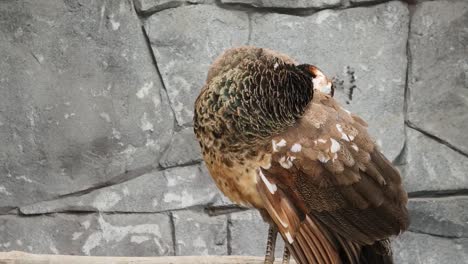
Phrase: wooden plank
x=17 y=257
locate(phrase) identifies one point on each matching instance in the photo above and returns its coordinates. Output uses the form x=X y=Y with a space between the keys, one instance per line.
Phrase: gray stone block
x=438 y=85
x=366 y=1
x=363 y=48
x=249 y=235
x=158 y=191
x=446 y=216
x=186 y=47
x=287 y=4
x=412 y=248
x=183 y=149
x=196 y=233
x=432 y=166
x=146 y=7
x=80 y=98
x=91 y=234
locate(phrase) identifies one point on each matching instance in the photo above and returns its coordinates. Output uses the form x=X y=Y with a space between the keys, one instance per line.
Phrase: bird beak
x=321 y=82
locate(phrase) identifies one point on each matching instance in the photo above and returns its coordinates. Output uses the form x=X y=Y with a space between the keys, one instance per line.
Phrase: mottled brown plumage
x=274 y=138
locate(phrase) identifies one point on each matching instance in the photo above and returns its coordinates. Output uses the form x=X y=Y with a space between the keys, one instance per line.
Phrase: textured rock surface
x=249 y=235
x=433 y=166
x=146 y=7
x=287 y=4
x=80 y=98
x=440 y=216
x=364 y=48
x=412 y=248
x=439 y=79
x=94 y=162
x=185 y=48
x=182 y=150
x=153 y=192
x=365 y=1
x=199 y=234
x=120 y=235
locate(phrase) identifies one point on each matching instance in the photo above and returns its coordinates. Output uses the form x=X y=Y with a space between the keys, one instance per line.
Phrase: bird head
x=321 y=82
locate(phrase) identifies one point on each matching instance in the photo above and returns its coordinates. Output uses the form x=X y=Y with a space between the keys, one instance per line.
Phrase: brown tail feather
x=315 y=244
x=306 y=238
x=373 y=253
x=311 y=241
x=311 y=229
x=348 y=252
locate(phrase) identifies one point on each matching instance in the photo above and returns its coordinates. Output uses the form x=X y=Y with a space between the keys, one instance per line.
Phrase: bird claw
x=286 y=255
x=271 y=244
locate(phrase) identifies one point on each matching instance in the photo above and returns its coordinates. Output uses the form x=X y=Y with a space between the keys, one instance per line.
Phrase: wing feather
x=307 y=240
x=344 y=192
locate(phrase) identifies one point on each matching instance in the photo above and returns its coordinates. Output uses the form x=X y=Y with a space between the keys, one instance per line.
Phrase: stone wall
x=98 y=155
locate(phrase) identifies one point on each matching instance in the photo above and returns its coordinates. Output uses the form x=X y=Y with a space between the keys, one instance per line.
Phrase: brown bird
x=274 y=138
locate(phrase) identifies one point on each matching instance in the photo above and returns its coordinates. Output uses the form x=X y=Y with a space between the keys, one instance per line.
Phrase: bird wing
x=329 y=189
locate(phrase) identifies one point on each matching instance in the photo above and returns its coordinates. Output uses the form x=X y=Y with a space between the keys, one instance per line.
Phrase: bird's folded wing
x=337 y=178
x=306 y=240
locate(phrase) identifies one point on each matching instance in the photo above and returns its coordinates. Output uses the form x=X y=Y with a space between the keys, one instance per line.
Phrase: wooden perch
x=17 y=257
